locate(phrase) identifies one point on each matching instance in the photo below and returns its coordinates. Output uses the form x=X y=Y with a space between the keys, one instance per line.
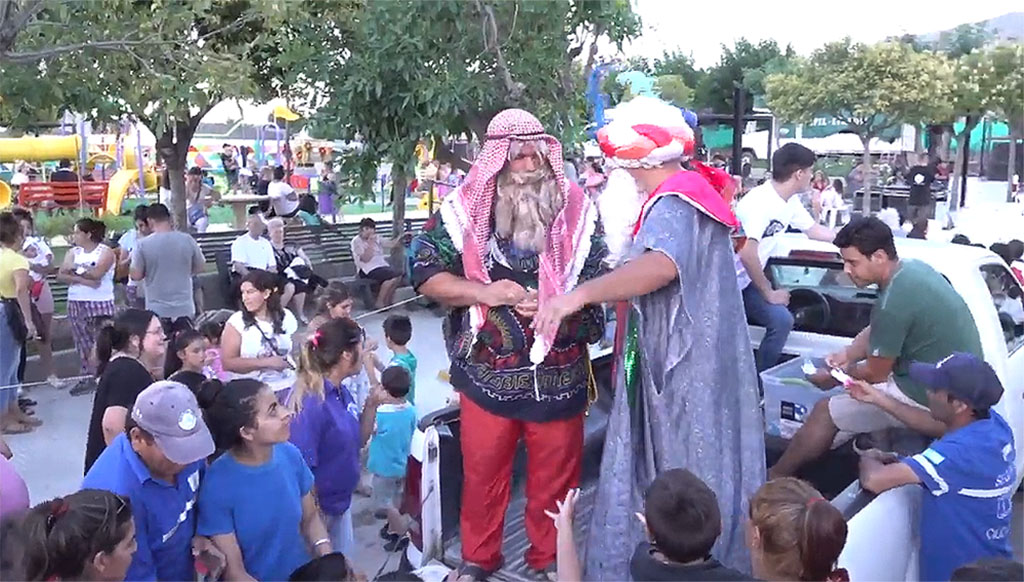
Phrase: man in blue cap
x=969 y=472
x=157 y=463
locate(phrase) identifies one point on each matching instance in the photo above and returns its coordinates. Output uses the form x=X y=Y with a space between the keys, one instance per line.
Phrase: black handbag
x=15 y=320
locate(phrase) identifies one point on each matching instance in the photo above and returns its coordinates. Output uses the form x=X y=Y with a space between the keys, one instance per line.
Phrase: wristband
x=321 y=541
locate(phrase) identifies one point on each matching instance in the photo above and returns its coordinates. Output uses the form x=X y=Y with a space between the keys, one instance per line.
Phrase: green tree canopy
x=180 y=59
x=673 y=89
x=744 y=64
x=417 y=69
x=868 y=87
x=680 y=64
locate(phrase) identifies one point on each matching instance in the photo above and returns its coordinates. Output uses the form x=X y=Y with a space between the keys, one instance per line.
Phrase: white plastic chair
x=835 y=213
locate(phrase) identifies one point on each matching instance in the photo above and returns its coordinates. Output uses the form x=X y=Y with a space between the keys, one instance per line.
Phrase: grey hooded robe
x=696 y=404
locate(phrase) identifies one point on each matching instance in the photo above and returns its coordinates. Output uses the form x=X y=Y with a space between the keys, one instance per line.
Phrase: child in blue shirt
x=397 y=333
x=391 y=434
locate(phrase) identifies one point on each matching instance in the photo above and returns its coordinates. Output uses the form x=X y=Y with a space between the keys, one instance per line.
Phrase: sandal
x=547 y=574
x=472 y=572
x=17 y=428
x=396 y=545
x=31 y=421
x=386 y=534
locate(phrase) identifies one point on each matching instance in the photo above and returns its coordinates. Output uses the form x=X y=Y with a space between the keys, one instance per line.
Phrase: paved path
x=50 y=458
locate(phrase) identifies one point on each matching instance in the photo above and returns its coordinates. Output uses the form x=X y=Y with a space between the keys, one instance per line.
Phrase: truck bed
x=515 y=541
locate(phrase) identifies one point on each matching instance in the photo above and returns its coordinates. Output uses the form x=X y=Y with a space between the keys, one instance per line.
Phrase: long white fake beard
x=525 y=207
x=619 y=205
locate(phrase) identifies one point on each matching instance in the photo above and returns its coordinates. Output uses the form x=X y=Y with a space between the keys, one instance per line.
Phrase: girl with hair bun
x=187 y=358
x=88 y=535
x=327 y=421
x=123 y=349
x=794 y=533
x=258 y=491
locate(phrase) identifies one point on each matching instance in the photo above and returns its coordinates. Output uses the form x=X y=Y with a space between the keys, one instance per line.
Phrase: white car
x=882 y=543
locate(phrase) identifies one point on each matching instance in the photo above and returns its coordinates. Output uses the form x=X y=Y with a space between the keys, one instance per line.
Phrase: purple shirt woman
x=327 y=419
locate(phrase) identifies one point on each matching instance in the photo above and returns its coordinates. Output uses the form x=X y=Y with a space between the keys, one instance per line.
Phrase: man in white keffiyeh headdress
x=513 y=236
x=685 y=384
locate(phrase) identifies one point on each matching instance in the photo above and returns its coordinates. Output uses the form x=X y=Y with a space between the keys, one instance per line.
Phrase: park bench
x=893 y=196
x=328 y=247
x=50 y=195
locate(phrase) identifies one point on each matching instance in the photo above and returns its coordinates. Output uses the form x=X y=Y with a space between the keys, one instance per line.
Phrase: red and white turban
x=645 y=132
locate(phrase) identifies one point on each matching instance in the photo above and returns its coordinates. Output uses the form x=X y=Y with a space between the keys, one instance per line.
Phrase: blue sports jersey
x=969 y=475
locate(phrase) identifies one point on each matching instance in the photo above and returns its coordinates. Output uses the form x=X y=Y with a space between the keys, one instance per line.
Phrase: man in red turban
x=685 y=387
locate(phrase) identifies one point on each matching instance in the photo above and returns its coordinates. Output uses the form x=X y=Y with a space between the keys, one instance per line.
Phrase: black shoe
x=25 y=401
x=387 y=535
x=397 y=545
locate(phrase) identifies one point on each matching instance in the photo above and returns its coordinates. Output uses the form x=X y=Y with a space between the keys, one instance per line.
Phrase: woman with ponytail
x=88 y=535
x=122 y=350
x=258 y=492
x=795 y=534
x=327 y=420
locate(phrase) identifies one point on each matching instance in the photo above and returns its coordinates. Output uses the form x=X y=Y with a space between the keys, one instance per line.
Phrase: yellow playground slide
x=121 y=182
x=39 y=149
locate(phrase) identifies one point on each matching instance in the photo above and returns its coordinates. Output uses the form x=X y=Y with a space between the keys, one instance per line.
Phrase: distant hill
x=1007 y=27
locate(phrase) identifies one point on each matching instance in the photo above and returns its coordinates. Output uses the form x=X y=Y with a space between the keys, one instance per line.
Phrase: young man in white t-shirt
x=284 y=202
x=765 y=211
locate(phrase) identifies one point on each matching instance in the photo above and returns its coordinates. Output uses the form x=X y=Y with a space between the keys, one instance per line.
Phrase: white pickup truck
x=829 y=310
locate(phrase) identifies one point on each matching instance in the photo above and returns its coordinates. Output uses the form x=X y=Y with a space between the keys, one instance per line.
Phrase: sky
x=699 y=29
x=806 y=24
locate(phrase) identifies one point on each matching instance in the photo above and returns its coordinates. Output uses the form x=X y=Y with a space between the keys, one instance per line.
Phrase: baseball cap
x=169 y=411
x=965 y=376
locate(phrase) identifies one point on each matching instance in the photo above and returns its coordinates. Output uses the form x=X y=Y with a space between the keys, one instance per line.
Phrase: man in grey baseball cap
x=969 y=473
x=157 y=463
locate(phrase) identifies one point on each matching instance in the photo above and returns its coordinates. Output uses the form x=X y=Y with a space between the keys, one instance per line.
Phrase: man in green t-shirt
x=918 y=316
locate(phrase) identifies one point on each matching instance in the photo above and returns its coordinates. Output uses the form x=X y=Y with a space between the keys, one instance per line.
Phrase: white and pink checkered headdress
x=467 y=215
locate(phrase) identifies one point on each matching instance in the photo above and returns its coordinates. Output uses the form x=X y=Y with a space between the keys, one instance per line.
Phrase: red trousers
x=554 y=455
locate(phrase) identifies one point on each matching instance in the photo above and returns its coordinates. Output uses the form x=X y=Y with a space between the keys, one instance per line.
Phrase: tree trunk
x=174 y=151
x=1011 y=167
x=918 y=139
x=947 y=140
x=399 y=183
x=172 y=145
x=963 y=140
x=867 y=174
